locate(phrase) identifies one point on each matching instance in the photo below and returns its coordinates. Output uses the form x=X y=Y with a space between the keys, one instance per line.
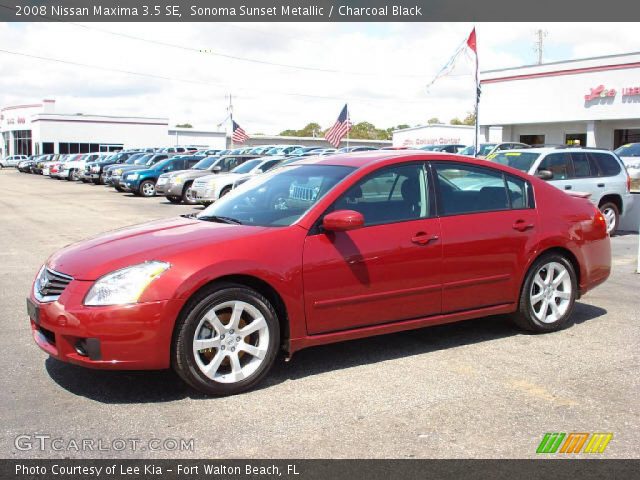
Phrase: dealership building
x=37 y=128
x=594 y=101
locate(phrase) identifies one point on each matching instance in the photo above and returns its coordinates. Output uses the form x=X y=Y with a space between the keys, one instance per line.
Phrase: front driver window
x=390 y=195
x=558 y=164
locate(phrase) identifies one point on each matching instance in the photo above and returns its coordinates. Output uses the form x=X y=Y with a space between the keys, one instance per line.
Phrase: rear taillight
x=599 y=221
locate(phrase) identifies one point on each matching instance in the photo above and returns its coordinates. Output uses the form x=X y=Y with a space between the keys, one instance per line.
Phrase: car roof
x=555 y=149
x=372 y=157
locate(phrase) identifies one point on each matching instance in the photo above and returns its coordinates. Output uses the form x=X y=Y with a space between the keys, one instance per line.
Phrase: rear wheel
x=548 y=295
x=227 y=341
x=73 y=175
x=147 y=188
x=611 y=215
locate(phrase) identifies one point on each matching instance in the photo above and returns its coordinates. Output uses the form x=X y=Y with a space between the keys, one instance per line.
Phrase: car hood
x=158 y=240
x=630 y=160
x=191 y=174
x=130 y=168
x=140 y=171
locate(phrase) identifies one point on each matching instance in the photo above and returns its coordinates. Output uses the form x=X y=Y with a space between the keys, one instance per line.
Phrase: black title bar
x=317 y=10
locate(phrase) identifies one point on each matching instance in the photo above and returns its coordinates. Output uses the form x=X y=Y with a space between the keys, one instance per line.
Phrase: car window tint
x=607 y=164
x=581 y=166
x=517 y=189
x=469 y=189
x=558 y=164
x=389 y=195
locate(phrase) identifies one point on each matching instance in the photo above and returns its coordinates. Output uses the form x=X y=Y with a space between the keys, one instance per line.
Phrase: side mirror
x=544 y=174
x=342 y=221
x=216 y=169
x=165 y=169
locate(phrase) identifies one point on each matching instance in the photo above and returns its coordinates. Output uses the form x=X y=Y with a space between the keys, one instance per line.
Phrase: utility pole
x=539 y=45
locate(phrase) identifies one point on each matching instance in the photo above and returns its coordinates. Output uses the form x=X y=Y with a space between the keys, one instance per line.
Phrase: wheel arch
x=565 y=252
x=257 y=284
x=612 y=198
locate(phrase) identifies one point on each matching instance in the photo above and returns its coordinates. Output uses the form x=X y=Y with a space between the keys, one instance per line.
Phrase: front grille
x=50 y=285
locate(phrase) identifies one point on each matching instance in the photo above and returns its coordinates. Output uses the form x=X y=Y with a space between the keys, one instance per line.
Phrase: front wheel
x=611 y=216
x=73 y=175
x=548 y=295
x=227 y=340
x=187 y=195
x=147 y=188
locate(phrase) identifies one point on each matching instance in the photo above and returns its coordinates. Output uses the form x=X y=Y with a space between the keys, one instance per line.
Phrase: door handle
x=522 y=226
x=567 y=187
x=423 y=238
x=601 y=185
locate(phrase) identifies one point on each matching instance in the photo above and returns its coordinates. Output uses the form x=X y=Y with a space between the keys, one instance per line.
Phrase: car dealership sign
x=601 y=92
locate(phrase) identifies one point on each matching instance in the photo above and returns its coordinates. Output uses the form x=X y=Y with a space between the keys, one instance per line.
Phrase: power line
x=184 y=80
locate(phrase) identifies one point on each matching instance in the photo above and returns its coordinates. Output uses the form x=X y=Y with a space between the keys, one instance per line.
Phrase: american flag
x=339 y=129
x=239 y=135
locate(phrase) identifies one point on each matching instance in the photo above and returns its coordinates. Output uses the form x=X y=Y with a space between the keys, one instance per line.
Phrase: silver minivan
x=595 y=171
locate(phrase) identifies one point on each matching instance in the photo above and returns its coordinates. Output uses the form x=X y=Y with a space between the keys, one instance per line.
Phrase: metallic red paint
x=334 y=286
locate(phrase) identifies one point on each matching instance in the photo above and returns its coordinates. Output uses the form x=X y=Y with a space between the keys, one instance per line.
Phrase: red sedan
x=320 y=251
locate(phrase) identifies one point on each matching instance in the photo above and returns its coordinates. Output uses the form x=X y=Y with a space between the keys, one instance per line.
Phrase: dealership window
x=22 y=142
x=532 y=139
x=47 y=148
x=622 y=137
x=5 y=140
x=575 y=139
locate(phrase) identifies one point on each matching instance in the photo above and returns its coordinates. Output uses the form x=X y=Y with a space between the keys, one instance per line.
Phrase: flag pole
x=477 y=105
x=349 y=121
x=231 y=118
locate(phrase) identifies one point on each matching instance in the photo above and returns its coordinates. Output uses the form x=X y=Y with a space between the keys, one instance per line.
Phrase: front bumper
x=130 y=185
x=124 y=337
x=170 y=189
x=204 y=194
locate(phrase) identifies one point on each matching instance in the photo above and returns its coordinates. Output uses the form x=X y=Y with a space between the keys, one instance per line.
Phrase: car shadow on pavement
x=121 y=387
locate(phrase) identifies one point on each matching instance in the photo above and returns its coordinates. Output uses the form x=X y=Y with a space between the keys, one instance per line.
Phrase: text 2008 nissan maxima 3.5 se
x=323 y=250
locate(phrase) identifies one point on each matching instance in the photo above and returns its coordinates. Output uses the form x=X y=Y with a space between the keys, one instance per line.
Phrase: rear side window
x=606 y=163
x=558 y=164
x=582 y=166
x=518 y=190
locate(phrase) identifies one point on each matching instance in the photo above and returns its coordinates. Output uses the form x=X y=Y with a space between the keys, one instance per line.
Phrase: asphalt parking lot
x=478 y=389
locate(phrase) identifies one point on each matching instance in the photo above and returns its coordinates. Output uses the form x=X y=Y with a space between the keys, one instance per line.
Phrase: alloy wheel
x=231 y=341
x=550 y=294
x=609 y=215
x=148 y=189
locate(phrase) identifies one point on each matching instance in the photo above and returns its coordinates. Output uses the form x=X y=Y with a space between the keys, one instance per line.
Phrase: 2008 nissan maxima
x=322 y=250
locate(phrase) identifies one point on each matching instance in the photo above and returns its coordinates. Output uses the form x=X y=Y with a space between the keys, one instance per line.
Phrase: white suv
x=597 y=172
x=12 y=161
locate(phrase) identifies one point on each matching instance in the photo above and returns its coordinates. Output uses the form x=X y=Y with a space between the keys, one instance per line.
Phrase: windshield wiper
x=218 y=218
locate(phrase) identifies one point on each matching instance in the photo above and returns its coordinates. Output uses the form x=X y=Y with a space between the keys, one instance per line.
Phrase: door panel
x=483 y=254
x=372 y=275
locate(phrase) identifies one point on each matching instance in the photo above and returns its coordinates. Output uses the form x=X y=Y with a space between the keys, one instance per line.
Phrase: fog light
x=81 y=348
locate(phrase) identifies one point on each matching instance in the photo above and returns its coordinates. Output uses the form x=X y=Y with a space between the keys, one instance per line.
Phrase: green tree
x=456 y=121
x=184 y=125
x=470 y=119
x=434 y=121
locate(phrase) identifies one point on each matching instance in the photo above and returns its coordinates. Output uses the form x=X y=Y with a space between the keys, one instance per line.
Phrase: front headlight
x=118 y=171
x=132 y=176
x=126 y=285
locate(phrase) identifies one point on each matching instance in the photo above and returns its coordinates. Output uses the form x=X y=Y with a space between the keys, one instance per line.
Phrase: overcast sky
x=380 y=69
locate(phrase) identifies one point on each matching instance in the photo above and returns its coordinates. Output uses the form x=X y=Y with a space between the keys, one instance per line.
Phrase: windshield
x=277 y=198
x=205 y=163
x=159 y=165
x=628 y=150
x=520 y=160
x=246 y=167
x=143 y=160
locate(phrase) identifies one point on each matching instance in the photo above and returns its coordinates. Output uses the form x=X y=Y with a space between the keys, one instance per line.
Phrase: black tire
x=224 y=191
x=612 y=208
x=186 y=198
x=525 y=317
x=147 y=188
x=118 y=188
x=73 y=175
x=175 y=200
x=183 y=358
